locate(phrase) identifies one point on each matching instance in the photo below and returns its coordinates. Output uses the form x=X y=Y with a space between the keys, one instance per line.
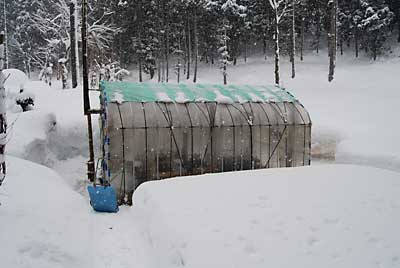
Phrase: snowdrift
x=320 y=216
x=44 y=223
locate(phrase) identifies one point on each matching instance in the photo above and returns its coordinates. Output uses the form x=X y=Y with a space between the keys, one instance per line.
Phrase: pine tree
x=376 y=20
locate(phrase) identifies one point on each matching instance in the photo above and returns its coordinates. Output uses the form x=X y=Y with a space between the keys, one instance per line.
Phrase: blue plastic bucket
x=103 y=198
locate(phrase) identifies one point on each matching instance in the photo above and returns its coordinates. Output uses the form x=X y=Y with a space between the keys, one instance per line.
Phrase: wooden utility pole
x=86 y=102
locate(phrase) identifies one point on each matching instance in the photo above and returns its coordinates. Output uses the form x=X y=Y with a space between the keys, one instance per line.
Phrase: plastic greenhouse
x=158 y=131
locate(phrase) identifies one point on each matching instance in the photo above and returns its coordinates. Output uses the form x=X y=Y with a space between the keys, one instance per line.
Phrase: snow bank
x=54 y=132
x=15 y=80
x=320 y=216
x=41 y=219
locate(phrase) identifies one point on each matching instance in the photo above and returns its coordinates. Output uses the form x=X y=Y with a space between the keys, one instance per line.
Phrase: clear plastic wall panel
x=135 y=156
x=116 y=145
x=303 y=112
x=239 y=114
x=204 y=110
x=223 y=117
x=154 y=116
x=280 y=109
x=243 y=148
x=116 y=168
x=299 y=158
x=113 y=118
x=181 y=151
x=291 y=140
x=223 y=149
x=276 y=142
x=164 y=152
x=198 y=115
x=273 y=113
x=248 y=112
x=153 y=153
x=257 y=146
x=260 y=118
x=308 y=145
x=137 y=111
x=265 y=146
x=283 y=147
x=293 y=114
x=201 y=150
x=178 y=115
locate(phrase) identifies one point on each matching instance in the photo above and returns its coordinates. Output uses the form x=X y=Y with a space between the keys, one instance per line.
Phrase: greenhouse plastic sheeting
x=181 y=93
x=155 y=139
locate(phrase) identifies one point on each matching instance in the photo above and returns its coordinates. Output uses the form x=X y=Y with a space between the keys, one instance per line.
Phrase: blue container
x=103 y=198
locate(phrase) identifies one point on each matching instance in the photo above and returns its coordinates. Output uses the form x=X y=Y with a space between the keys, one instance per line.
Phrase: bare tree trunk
x=356 y=42
x=265 y=46
x=167 y=56
x=5 y=36
x=184 y=52
x=189 y=49
x=293 y=50
x=3 y=118
x=277 y=52
x=398 y=25
x=225 y=75
x=302 y=40
x=341 y=45
x=332 y=4
x=245 y=51
x=196 y=43
x=140 y=69
x=72 y=49
x=318 y=28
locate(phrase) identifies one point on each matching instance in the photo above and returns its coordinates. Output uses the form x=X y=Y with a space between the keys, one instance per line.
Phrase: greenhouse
x=158 y=131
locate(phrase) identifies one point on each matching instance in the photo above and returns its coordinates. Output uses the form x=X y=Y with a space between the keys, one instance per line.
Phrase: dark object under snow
x=103 y=198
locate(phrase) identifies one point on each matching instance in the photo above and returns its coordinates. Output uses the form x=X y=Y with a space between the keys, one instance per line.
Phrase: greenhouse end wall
x=153 y=141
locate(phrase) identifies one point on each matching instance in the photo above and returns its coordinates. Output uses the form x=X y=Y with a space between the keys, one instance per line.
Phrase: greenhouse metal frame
x=159 y=138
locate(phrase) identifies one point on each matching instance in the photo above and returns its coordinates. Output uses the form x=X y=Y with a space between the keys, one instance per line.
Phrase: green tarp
x=182 y=93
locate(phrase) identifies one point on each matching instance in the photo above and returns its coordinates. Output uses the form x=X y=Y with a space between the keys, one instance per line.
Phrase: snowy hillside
x=319 y=216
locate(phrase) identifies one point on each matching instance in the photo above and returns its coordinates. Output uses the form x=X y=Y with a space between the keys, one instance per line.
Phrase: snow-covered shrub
x=25 y=100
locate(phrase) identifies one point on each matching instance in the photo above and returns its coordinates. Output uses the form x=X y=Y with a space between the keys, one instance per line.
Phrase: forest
x=158 y=36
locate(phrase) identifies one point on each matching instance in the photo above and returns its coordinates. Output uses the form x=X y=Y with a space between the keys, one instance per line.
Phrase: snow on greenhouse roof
x=182 y=93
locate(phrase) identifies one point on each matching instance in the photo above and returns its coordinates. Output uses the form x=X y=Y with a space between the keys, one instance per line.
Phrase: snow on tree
x=376 y=20
x=279 y=7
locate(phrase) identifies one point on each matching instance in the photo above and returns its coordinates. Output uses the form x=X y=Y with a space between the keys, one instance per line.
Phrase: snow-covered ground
x=319 y=216
x=323 y=216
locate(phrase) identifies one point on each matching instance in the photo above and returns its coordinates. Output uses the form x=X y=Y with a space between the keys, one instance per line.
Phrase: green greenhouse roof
x=183 y=93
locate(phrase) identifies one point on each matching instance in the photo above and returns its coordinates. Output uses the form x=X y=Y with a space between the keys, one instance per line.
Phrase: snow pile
x=43 y=222
x=163 y=97
x=15 y=80
x=321 y=216
x=54 y=132
x=221 y=98
x=181 y=98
